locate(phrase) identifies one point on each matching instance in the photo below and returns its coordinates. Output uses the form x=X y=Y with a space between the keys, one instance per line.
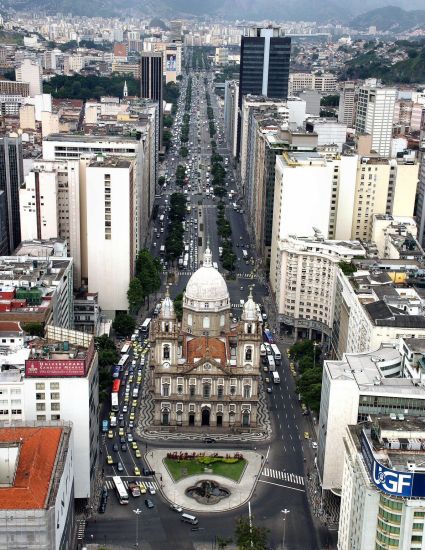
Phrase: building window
x=39 y=386
x=41 y=407
x=41 y=417
x=248 y=354
x=247 y=391
x=206 y=391
x=54 y=385
x=220 y=392
x=192 y=391
x=54 y=396
x=179 y=389
x=40 y=396
x=232 y=390
x=206 y=322
x=55 y=416
x=165 y=390
x=166 y=352
x=55 y=406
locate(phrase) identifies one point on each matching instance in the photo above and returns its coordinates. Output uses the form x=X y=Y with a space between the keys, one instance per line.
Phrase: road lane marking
x=281 y=485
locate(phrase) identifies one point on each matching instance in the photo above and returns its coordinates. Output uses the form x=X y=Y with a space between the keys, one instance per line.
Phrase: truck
x=105 y=426
x=134 y=489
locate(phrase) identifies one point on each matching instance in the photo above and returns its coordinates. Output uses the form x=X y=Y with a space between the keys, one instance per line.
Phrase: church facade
x=205 y=370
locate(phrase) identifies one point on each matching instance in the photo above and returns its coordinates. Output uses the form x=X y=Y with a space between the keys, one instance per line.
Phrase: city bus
x=268 y=337
x=263 y=351
x=276 y=378
x=272 y=364
x=145 y=327
x=116 y=385
x=120 y=489
x=123 y=361
x=162 y=250
x=186 y=260
x=114 y=402
x=125 y=349
x=276 y=353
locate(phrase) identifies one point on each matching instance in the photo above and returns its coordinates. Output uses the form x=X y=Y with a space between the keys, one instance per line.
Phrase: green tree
x=330 y=100
x=168 y=121
x=249 y=536
x=108 y=357
x=124 y=324
x=166 y=138
x=148 y=273
x=219 y=191
x=178 y=306
x=135 y=295
x=104 y=342
x=310 y=387
x=34 y=329
x=347 y=268
x=161 y=180
x=184 y=151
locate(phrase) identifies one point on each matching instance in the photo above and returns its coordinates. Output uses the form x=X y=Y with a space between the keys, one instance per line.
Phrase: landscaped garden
x=182 y=465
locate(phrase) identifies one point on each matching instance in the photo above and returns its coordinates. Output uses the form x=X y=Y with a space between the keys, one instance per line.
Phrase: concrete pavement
x=174 y=492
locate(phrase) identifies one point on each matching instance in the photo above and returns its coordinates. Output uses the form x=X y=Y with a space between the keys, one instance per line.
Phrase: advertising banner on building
x=393 y=482
x=72 y=367
x=171 y=63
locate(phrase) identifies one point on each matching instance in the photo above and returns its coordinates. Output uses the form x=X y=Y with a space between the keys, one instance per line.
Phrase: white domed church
x=206 y=369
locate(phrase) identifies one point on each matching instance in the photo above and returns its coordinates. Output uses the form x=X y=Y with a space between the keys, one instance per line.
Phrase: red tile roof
x=10 y=326
x=203 y=346
x=36 y=461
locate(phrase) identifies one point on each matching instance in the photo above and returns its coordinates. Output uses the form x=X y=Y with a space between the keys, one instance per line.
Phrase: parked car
x=176 y=508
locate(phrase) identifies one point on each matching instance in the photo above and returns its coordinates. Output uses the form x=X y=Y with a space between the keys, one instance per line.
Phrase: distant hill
x=307 y=10
x=390 y=18
x=371 y=64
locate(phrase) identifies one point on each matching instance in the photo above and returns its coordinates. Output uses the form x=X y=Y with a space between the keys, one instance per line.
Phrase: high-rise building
x=420 y=205
x=383 y=487
x=111 y=197
x=11 y=179
x=30 y=71
x=231 y=102
x=264 y=65
x=152 y=80
x=374 y=116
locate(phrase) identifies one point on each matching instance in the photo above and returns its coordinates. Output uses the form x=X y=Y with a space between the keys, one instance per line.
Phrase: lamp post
x=284 y=512
x=137 y=511
x=315 y=344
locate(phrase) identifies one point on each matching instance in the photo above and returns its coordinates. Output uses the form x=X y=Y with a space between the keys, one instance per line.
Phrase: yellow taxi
x=134 y=403
x=142 y=487
x=132 y=416
x=130 y=378
x=109 y=459
x=110 y=434
x=306 y=435
x=139 y=379
x=121 y=432
x=138 y=454
x=134 y=445
x=126 y=399
x=136 y=471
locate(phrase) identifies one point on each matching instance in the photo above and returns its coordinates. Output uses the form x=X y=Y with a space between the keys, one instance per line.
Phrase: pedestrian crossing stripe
x=284 y=476
x=109 y=484
x=186 y=272
x=246 y=275
x=81 y=530
x=236 y=305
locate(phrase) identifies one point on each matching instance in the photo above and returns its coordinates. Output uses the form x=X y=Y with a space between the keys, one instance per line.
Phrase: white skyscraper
x=30 y=72
x=374 y=116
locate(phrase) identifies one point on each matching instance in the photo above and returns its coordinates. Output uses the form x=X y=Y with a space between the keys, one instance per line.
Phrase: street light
x=284 y=512
x=315 y=344
x=137 y=511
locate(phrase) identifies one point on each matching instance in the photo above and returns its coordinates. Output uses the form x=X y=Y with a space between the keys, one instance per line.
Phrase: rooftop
x=90 y=139
x=110 y=162
x=35 y=452
x=203 y=347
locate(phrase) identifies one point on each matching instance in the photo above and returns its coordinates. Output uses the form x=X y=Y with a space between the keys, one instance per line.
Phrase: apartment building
x=325 y=82
x=346 y=108
x=374 y=116
x=395 y=237
x=30 y=72
x=370 y=309
x=231 y=101
x=329 y=132
x=304 y=284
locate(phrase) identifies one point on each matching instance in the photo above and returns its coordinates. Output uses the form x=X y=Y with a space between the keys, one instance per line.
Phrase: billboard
x=52 y=367
x=392 y=482
x=170 y=63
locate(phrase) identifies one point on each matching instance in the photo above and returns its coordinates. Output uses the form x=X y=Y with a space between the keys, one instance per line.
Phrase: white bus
x=161 y=218
x=114 y=402
x=272 y=364
x=162 y=250
x=125 y=349
x=276 y=378
x=120 y=490
x=186 y=260
x=123 y=361
x=263 y=352
x=145 y=327
x=276 y=353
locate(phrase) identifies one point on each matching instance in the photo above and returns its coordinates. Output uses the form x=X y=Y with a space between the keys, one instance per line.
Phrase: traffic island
x=206 y=481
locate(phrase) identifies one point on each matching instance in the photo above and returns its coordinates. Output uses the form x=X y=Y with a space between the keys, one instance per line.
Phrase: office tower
x=374 y=116
x=264 y=66
x=173 y=61
x=346 y=104
x=420 y=204
x=383 y=489
x=324 y=83
x=111 y=230
x=151 y=81
x=30 y=71
x=231 y=102
x=11 y=179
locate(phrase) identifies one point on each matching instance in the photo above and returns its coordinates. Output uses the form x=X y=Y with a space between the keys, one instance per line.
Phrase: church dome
x=250 y=311
x=207 y=284
x=167 y=306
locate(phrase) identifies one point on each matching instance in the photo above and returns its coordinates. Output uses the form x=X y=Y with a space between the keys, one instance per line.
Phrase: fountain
x=207 y=491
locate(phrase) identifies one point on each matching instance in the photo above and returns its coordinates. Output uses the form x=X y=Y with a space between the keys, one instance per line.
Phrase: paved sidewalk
x=175 y=491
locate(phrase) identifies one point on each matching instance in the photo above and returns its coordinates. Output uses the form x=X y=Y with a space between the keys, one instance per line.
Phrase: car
x=122 y=424
x=121 y=432
x=136 y=471
x=176 y=508
x=131 y=423
x=132 y=416
x=120 y=467
x=314 y=445
x=151 y=491
x=110 y=434
x=125 y=409
x=209 y=440
x=115 y=447
x=109 y=459
x=149 y=503
x=142 y=487
x=269 y=390
x=122 y=440
x=121 y=416
x=124 y=447
x=129 y=438
x=306 y=435
x=134 y=445
x=138 y=454
x=126 y=399
x=134 y=403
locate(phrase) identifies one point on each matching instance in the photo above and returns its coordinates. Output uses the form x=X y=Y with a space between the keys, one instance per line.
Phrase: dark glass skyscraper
x=151 y=80
x=11 y=179
x=264 y=68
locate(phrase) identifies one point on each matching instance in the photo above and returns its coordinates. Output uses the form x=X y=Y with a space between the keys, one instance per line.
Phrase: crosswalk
x=246 y=275
x=283 y=476
x=186 y=272
x=236 y=305
x=109 y=484
x=81 y=529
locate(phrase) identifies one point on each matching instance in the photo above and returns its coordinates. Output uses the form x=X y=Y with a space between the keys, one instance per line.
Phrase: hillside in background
x=390 y=18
